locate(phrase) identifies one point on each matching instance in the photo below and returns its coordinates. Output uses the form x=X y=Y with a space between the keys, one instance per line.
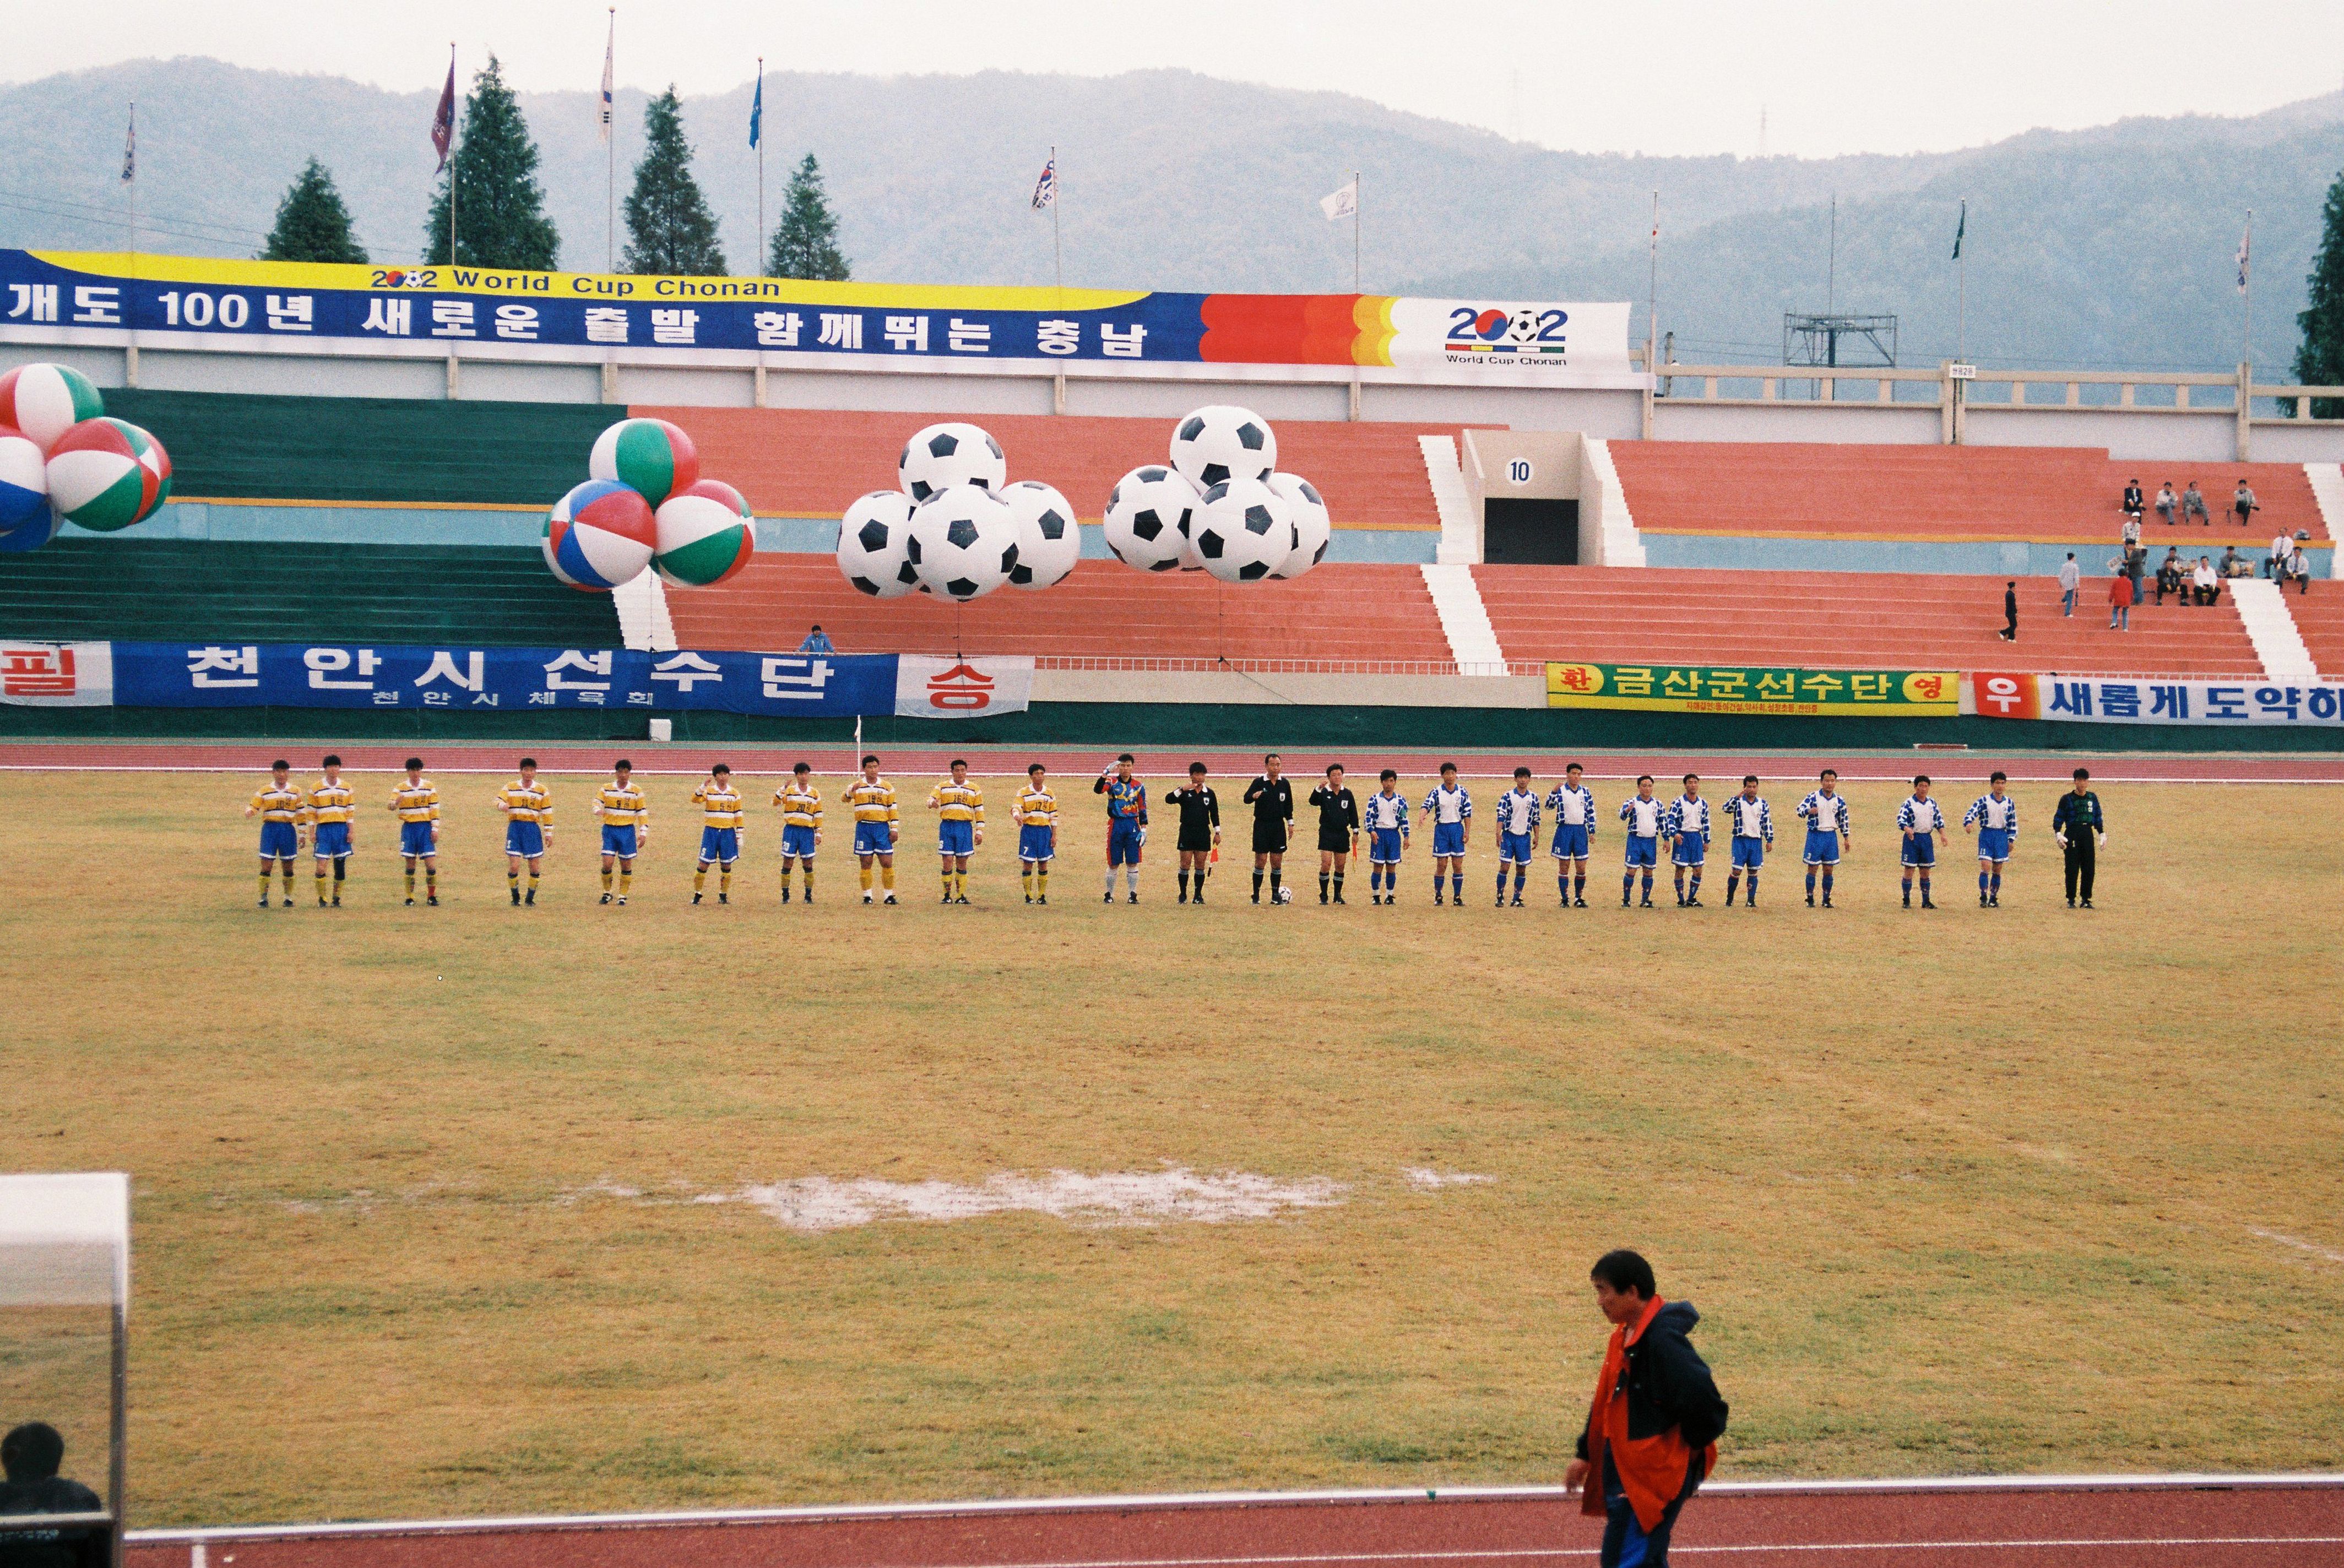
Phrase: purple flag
x=443 y=121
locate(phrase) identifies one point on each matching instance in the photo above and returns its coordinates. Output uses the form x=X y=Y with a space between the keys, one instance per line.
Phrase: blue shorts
x=526 y=839
x=956 y=837
x=415 y=839
x=333 y=840
x=1749 y=852
x=1124 y=836
x=872 y=839
x=1921 y=849
x=1823 y=848
x=1570 y=843
x=1384 y=844
x=1514 y=849
x=1690 y=850
x=797 y=841
x=280 y=840
x=619 y=841
x=1448 y=838
x=1036 y=845
x=1643 y=851
x=1994 y=844
x=722 y=844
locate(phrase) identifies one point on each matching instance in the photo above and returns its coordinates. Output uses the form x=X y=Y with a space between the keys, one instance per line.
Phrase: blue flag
x=757 y=107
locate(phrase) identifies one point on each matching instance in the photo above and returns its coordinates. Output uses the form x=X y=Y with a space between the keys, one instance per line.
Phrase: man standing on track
x=2081 y=831
x=1651 y=1438
x=1272 y=799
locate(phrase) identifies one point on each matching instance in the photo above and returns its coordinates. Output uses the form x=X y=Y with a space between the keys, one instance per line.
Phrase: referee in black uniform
x=2080 y=829
x=1272 y=799
x=1200 y=828
x=1338 y=828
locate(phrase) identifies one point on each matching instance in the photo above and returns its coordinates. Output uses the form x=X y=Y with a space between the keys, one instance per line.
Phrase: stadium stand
x=157 y=590
x=2319 y=618
x=1103 y=609
x=793 y=462
x=1870 y=619
x=1797 y=490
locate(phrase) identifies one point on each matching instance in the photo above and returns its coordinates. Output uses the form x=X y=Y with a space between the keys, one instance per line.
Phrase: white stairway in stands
x=1464 y=619
x=1617 y=541
x=1461 y=531
x=2328 y=491
x=2271 y=628
x=641 y=605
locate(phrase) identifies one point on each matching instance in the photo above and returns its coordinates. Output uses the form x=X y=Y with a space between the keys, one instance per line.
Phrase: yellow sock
x=948 y=881
x=411 y=882
x=532 y=882
x=887 y=877
x=809 y=879
x=321 y=882
x=431 y=882
x=1041 y=882
x=264 y=885
x=724 y=880
x=867 y=879
x=513 y=880
x=700 y=879
x=288 y=879
x=606 y=879
x=960 y=884
x=625 y=877
x=1026 y=879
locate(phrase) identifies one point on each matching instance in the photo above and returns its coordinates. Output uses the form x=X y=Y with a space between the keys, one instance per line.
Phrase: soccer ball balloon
x=1244 y=530
x=1314 y=529
x=599 y=535
x=1147 y=517
x=1049 y=542
x=1219 y=442
x=704 y=534
x=871 y=538
x=650 y=457
x=964 y=543
x=24 y=484
x=943 y=456
x=106 y=474
x=42 y=402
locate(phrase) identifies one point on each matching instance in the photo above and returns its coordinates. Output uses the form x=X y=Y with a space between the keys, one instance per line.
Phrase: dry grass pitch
x=472 y=1210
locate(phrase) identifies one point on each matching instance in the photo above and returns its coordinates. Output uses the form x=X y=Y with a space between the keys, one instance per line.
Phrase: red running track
x=836 y=760
x=2205 y=1523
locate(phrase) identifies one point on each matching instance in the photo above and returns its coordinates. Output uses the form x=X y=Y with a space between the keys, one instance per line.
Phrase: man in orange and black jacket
x=1651 y=1437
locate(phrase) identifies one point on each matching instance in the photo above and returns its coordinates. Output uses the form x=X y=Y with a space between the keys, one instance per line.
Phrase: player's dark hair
x=413 y=763
x=1688 y=778
x=1920 y=779
x=957 y=762
x=279 y=763
x=1125 y=757
x=1748 y=778
x=1033 y=768
x=719 y=768
x=1448 y=767
x=1574 y=768
x=1624 y=1270
x=1643 y=778
x=331 y=761
x=32 y=1451
x=2083 y=772
x=1997 y=776
x=870 y=760
x=1267 y=758
x=1828 y=774
x=1334 y=768
x=529 y=761
x=622 y=766
x=1195 y=768
x=802 y=768
x=1522 y=773
x=1390 y=774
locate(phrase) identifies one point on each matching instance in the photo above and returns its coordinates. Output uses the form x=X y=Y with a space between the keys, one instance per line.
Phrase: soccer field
x=476 y=1209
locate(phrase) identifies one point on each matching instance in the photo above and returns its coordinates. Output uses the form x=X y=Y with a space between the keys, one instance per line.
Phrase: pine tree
x=805 y=243
x=2319 y=358
x=312 y=224
x=670 y=230
x=500 y=206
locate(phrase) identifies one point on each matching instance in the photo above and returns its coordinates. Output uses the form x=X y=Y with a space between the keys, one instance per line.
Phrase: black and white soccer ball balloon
x=872 y=538
x=943 y=456
x=1314 y=529
x=964 y=543
x=1148 y=515
x=1244 y=531
x=1049 y=542
x=1222 y=441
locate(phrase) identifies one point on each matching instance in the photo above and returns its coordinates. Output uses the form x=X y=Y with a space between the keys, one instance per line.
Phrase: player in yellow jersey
x=873 y=800
x=619 y=805
x=960 y=809
x=1037 y=834
x=720 y=830
x=529 y=823
x=331 y=808
x=280 y=808
x=416 y=803
x=800 y=805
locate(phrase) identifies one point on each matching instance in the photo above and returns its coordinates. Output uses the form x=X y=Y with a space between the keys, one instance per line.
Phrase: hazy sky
x=1831 y=76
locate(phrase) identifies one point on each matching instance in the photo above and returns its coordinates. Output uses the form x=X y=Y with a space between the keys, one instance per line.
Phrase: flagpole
x=1057 y=250
x=1355 y=231
x=610 y=151
x=453 y=115
x=760 y=166
x=1652 y=291
x=2246 y=287
x=1962 y=262
x=130 y=178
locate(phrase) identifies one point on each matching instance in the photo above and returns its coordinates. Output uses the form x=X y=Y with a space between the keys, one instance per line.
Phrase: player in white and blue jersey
x=1826 y=813
x=1686 y=827
x=1449 y=810
x=1923 y=823
x=1644 y=815
x=1572 y=806
x=1385 y=817
x=1995 y=817
x=1752 y=827
x=1518 y=824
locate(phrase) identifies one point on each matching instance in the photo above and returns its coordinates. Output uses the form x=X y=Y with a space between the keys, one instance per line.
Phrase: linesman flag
x=2246 y=243
x=443 y=119
x=1961 y=227
x=1045 y=189
x=1344 y=203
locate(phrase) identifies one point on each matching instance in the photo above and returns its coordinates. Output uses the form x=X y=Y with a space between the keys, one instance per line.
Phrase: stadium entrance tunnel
x=1520 y=531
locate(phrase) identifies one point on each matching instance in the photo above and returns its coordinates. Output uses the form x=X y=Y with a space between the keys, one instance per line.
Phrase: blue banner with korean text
x=2155 y=700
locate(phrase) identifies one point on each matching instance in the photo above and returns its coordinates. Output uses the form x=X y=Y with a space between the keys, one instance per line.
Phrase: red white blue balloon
x=599 y=535
x=24 y=483
x=42 y=402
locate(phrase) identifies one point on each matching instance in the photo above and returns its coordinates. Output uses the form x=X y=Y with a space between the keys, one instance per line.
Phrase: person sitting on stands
x=2207 y=587
x=2193 y=504
x=817 y=641
x=2282 y=546
x=2165 y=502
x=2232 y=563
x=31 y=1455
x=2132 y=503
x=2245 y=504
x=2168 y=575
x=2299 y=569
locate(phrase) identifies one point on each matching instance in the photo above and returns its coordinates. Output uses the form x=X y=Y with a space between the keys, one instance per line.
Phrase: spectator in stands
x=817 y=641
x=2282 y=546
x=2010 y=611
x=2165 y=502
x=2232 y=563
x=2168 y=575
x=2193 y=504
x=2120 y=603
x=2071 y=577
x=2132 y=503
x=2299 y=569
x=2244 y=503
x=2205 y=585
x=2131 y=529
x=31 y=1455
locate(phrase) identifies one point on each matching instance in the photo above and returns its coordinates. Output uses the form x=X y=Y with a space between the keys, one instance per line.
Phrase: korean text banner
x=2149 y=700
x=872 y=325
x=1704 y=689
x=303 y=675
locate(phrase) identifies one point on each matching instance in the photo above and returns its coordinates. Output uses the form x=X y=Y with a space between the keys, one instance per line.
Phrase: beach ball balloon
x=705 y=535
x=651 y=457
x=33 y=535
x=599 y=535
x=23 y=482
x=1314 y=529
x=106 y=474
x=872 y=538
x=943 y=456
x=1048 y=540
x=42 y=402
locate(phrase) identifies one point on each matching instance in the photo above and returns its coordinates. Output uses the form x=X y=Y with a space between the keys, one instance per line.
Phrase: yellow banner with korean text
x=1755 y=689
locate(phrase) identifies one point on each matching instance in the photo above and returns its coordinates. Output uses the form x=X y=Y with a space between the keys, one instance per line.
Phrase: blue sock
x=1982 y=879
x=1522 y=876
x=1997 y=887
x=1753 y=886
x=1827 y=882
x=1811 y=884
x=1695 y=891
x=1627 y=886
x=1648 y=885
x=1562 y=885
x=1456 y=882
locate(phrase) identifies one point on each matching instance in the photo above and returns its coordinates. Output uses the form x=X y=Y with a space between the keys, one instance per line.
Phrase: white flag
x=1344 y=203
x=610 y=48
x=2246 y=243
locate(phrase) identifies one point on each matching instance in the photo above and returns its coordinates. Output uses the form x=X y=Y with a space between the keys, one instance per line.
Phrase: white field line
x=2300 y=1245
x=820 y=1203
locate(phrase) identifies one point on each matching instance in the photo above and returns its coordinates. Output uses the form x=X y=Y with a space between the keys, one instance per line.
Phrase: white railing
x=1117 y=663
